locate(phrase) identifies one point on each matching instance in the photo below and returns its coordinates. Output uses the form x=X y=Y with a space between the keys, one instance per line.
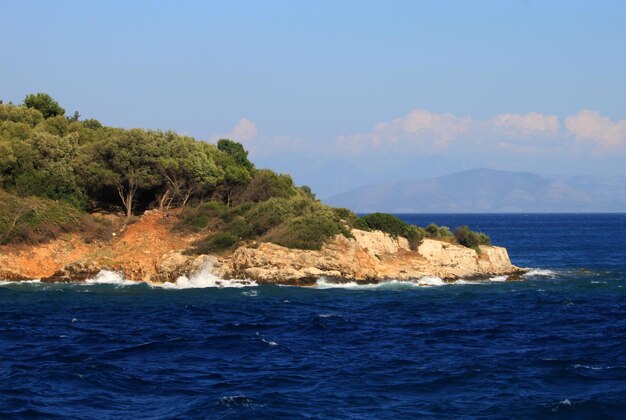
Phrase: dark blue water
x=552 y=346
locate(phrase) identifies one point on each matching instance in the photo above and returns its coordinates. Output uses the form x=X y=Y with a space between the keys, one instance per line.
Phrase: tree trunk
x=127 y=198
x=164 y=198
x=129 y=203
x=187 y=196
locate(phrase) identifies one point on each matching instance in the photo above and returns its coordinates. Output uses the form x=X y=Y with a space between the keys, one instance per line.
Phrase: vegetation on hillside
x=395 y=226
x=33 y=219
x=54 y=168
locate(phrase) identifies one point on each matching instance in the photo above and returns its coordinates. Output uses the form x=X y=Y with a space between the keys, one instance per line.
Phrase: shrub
x=239 y=228
x=308 y=229
x=414 y=235
x=392 y=225
x=469 y=238
x=438 y=232
x=34 y=220
x=346 y=215
x=215 y=242
x=266 y=184
x=269 y=214
x=295 y=222
x=197 y=218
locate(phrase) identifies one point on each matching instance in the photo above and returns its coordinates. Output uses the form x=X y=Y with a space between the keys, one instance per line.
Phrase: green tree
x=266 y=184
x=235 y=177
x=44 y=103
x=44 y=167
x=187 y=167
x=7 y=160
x=125 y=160
x=20 y=114
x=236 y=151
x=56 y=125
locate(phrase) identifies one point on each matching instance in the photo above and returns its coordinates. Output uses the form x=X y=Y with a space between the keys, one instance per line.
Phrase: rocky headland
x=150 y=250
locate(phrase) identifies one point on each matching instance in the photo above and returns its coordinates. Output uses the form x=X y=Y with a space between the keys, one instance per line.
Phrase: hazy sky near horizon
x=521 y=85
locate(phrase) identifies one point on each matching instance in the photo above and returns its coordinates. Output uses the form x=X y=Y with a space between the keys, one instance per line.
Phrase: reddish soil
x=135 y=248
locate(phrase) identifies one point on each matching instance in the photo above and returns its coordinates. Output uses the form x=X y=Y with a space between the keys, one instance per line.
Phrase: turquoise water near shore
x=551 y=346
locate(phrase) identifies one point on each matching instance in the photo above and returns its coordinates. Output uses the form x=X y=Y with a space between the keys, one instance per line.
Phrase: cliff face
x=369 y=256
x=149 y=250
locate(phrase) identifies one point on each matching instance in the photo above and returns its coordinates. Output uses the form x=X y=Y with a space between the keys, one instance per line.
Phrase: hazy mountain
x=485 y=190
x=330 y=177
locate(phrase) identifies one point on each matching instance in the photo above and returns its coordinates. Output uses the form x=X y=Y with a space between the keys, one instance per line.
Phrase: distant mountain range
x=487 y=191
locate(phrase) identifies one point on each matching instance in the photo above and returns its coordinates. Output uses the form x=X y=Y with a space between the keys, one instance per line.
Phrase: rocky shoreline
x=150 y=251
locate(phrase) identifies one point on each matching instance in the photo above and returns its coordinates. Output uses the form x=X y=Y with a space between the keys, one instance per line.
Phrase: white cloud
x=244 y=131
x=590 y=126
x=419 y=128
x=523 y=125
x=533 y=133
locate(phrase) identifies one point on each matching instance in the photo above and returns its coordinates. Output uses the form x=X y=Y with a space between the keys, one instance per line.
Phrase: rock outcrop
x=74 y=272
x=174 y=265
x=150 y=250
x=368 y=257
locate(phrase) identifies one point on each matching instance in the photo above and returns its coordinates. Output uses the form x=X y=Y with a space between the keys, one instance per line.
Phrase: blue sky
x=393 y=90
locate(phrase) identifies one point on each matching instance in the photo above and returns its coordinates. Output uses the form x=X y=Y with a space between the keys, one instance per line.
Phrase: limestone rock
x=368 y=256
x=174 y=265
x=76 y=271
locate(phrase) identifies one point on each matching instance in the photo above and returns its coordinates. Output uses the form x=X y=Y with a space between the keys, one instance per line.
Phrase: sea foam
x=203 y=279
x=325 y=283
x=110 y=277
x=534 y=272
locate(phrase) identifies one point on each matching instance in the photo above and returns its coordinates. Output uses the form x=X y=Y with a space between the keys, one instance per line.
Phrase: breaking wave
x=325 y=283
x=205 y=278
x=540 y=272
x=110 y=277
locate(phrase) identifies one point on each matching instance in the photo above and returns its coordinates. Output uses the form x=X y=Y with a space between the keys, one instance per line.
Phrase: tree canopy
x=54 y=167
x=44 y=104
x=91 y=166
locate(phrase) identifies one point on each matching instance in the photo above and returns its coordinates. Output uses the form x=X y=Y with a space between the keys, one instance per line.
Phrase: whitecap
x=110 y=277
x=271 y=343
x=596 y=367
x=539 y=272
x=324 y=283
x=8 y=282
x=430 y=281
x=498 y=279
x=203 y=279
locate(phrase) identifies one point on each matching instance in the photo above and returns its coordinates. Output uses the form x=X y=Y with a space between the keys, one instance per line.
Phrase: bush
x=33 y=220
x=295 y=222
x=414 y=235
x=239 y=228
x=392 y=225
x=346 y=215
x=195 y=219
x=469 y=238
x=215 y=242
x=308 y=229
x=266 y=184
x=438 y=232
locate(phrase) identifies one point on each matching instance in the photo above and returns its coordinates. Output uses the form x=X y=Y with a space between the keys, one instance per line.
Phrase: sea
x=551 y=346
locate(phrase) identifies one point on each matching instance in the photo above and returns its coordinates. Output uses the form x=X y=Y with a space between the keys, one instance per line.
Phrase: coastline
x=150 y=250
